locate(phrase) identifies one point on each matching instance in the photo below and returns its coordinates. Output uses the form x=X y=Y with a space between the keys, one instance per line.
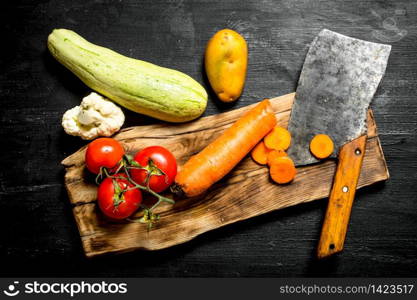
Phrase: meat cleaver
x=337 y=83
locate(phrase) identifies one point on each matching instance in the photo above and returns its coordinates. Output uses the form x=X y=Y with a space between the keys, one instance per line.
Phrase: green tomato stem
x=152 y=217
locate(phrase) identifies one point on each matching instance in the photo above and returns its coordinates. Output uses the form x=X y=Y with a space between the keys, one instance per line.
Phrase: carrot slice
x=321 y=146
x=273 y=155
x=283 y=170
x=260 y=153
x=279 y=139
x=224 y=153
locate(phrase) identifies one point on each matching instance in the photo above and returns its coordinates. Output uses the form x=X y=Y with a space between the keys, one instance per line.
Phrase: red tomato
x=159 y=163
x=103 y=152
x=114 y=202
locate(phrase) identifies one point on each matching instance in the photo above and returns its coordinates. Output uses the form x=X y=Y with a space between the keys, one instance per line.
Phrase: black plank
x=38 y=233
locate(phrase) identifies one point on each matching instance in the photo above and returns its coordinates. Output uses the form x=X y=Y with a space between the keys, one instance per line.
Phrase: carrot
x=260 y=153
x=279 y=139
x=283 y=170
x=274 y=155
x=224 y=153
x=321 y=146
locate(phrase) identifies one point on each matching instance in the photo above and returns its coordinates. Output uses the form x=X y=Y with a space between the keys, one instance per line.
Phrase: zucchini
x=140 y=86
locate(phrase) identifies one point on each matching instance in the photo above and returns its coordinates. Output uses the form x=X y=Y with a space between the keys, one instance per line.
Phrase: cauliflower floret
x=96 y=116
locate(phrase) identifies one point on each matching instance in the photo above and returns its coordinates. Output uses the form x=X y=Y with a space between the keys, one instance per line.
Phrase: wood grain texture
x=218 y=207
x=38 y=234
x=341 y=197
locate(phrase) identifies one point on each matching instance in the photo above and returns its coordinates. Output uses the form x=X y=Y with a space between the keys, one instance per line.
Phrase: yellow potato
x=226 y=60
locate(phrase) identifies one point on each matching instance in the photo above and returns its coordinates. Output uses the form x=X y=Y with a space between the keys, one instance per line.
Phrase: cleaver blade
x=337 y=83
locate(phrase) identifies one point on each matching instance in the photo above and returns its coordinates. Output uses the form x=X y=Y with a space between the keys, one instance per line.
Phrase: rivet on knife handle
x=341 y=198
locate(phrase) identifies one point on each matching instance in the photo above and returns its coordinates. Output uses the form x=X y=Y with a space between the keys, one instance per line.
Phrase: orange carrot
x=321 y=146
x=283 y=170
x=274 y=155
x=260 y=153
x=279 y=139
x=224 y=153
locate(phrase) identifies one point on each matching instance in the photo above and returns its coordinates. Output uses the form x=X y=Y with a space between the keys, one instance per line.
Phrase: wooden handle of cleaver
x=336 y=221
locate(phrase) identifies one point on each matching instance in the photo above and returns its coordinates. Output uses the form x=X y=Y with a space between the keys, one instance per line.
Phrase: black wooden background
x=38 y=236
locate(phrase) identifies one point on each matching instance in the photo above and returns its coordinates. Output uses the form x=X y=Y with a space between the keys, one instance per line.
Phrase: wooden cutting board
x=246 y=192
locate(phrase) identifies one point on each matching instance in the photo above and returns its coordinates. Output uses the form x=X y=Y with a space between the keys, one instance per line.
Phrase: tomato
x=159 y=163
x=103 y=152
x=116 y=203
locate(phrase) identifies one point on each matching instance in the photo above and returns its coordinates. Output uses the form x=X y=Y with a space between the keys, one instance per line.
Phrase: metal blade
x=337 y=83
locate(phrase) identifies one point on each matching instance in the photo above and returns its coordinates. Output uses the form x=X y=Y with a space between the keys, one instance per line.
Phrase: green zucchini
x=140 y=86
